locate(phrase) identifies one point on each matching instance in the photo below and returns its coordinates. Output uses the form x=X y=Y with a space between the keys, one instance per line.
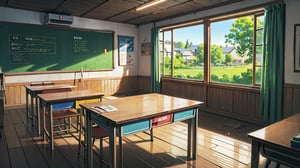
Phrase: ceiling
x=117 y=10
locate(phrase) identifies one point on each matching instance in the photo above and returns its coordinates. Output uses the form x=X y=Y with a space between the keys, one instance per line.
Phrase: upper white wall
x=30 y=17
x=145 y=30
x=292 y=18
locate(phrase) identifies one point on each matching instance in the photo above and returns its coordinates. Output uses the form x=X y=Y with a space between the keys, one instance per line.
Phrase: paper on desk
x=104 y=109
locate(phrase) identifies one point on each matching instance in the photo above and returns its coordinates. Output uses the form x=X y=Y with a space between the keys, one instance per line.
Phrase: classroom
x=150 y=83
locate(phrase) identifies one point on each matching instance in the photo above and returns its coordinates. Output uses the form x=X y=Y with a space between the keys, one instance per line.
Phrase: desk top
x=60 y=96
x=47 y=87
x=279 y=133
x=142 y=106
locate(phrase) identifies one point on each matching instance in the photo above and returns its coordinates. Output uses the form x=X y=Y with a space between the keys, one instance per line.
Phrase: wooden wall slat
x=231 y=101
x=15 y=92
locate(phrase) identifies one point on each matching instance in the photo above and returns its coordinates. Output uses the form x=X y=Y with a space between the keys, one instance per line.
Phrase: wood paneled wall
x=15 y=92
x=291 y=100
x=237 y=102
x=144 y=84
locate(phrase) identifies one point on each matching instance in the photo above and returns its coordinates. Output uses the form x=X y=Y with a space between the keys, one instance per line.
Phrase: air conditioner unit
x=57 y=19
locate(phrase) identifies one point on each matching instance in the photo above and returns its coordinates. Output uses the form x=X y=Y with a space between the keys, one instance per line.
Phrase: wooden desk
x=47 y=100
x=276 y=137
x=32 y=91
x=136 y=114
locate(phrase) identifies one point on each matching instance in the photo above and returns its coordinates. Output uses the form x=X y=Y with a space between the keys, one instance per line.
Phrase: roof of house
x=227 y=49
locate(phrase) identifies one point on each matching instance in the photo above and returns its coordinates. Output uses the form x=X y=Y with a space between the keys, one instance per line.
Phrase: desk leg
x=38 y=114
x=120 y=149
x=27 y=110
x=44 y=121
x=89 y=138
x=31 y=108
x=51 y=127
x=194 y=136
x=112 y=147
x=254 y=153
x=189 y=139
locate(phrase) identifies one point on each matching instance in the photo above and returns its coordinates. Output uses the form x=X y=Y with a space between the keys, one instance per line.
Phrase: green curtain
x=155 y=64
x=271 y=104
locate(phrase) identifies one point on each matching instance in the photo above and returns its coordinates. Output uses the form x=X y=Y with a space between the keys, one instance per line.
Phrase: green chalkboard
x=33 y=48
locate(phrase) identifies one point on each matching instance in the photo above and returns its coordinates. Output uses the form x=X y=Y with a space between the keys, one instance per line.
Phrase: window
x=182 y=54
x=234 y=50
x=258 y=34
x=235 y=47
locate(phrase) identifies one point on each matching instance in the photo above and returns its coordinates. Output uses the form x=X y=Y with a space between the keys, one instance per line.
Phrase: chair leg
x=101 y=151
x=151 y=135
x=268 y=161
x=70 y=124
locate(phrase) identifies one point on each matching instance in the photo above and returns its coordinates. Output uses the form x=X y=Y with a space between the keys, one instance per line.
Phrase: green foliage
x=243 y=78
x=199 y=55
x=179 y=61
x=216 y=54
x=228 y=59
x=187 y=44
x=241 y=36
x=198 y=76
x=179 y=44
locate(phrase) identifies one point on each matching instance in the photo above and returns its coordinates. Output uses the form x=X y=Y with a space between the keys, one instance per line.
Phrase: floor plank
x=218 y=146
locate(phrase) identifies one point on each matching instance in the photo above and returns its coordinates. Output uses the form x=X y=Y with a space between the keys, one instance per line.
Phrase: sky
x=194 y=33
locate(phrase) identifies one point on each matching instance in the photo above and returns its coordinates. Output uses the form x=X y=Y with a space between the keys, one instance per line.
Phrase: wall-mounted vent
x=57 y=19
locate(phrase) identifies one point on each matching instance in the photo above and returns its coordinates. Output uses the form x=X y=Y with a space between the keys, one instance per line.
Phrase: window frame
x=206 y=22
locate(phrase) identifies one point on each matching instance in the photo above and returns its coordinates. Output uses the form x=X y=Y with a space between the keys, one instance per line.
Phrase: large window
x=234 y=45
x=182 y=53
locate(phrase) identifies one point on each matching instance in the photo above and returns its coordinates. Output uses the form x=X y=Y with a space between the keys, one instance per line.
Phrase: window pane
x=259 y=37
x=258 y=75
x=231 y=51
x=259 y=57
x=260 y=22
x=167 y=52
x=188 y=52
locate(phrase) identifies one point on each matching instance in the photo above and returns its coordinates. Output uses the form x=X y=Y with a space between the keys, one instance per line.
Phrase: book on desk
x=295 y=141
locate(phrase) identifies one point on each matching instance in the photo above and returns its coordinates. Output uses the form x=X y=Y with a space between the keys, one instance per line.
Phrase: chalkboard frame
x=71 y=29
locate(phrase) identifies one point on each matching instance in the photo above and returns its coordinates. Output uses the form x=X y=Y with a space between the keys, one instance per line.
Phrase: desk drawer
x=100 y=121
x=184 y=115
x=157 y=121
x=62 y=105
x=135 y=127
x=78 y=102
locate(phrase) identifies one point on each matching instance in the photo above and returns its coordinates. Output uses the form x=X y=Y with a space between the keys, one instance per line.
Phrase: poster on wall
x=126 y=50
x=146 y=49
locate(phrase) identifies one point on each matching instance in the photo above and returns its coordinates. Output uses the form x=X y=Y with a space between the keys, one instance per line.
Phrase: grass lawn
x=218 y=70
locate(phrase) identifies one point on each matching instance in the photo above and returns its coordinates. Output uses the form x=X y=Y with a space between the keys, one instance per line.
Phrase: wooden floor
x=219 y=145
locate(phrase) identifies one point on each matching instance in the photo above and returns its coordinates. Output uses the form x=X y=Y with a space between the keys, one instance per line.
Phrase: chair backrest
x=57 y=90
x=36 y=84
x=48 y=83
x=41 y=83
